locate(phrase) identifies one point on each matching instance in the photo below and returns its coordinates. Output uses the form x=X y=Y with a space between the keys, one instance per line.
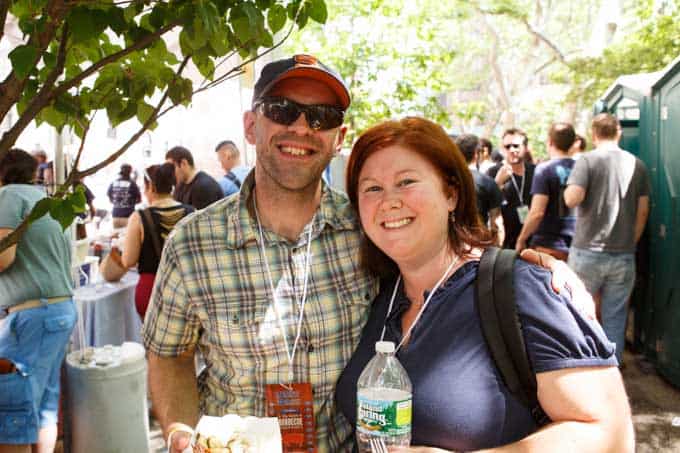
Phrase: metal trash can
x=107 y=399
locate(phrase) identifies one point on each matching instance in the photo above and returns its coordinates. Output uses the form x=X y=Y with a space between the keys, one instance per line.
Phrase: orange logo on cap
x=304 y=59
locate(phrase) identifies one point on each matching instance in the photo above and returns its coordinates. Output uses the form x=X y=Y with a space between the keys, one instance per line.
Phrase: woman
x=124 y=195
x=37 y=313
x=416 y=201
x=154 y=225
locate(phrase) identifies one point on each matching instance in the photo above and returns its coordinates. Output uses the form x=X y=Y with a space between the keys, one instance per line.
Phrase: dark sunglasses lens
x=321 y=117
x=281 y=111
x=512 y=145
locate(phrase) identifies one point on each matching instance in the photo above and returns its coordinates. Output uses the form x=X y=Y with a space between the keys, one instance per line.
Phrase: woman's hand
x=564 y=279
x=179 y=437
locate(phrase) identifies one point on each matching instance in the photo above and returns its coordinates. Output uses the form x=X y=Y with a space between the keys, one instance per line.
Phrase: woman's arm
x=590 y=413
x=134 y=236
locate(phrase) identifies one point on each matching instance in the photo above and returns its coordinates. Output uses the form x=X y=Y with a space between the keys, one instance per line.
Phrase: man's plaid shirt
x=212 y=292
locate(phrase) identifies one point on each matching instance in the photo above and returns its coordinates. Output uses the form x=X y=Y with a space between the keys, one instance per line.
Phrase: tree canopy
x=77 y=58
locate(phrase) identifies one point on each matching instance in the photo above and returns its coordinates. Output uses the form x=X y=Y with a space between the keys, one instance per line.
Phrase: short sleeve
x=579 y=174
x=557 y=336
x=539 y=184
x=170 y=325
x=12 y=209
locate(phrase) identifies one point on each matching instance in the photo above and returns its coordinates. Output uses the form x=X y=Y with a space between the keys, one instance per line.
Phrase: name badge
x=293 y=405
x=522 y=212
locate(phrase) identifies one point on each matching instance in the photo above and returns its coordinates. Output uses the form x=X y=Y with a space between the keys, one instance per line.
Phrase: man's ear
x=249 y=126
x=340 y=138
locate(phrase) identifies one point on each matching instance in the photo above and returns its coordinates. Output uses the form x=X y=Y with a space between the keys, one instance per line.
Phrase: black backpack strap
x=502 y=328
x=232 y=177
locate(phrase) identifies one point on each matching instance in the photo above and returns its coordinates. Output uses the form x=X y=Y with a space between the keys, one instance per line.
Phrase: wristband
x=178 y=427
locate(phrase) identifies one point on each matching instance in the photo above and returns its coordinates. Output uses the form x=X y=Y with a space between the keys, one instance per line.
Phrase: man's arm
x=174 y=393
x=8 y=255
x=574 y=195
x=641 y=216
x=539 y=203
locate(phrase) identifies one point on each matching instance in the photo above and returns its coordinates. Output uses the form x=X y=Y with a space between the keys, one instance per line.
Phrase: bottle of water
x=384 y=402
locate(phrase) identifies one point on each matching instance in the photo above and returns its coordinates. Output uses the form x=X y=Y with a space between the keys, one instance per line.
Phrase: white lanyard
x=422 y=309
x=300 y=303
x=520 y=191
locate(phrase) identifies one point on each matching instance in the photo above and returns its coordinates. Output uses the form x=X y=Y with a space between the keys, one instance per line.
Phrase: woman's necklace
x=422 y=309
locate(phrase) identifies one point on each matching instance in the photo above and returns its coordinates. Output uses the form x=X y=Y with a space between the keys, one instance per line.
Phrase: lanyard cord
x=300 y=303
x=520 y=192
x=422 y=309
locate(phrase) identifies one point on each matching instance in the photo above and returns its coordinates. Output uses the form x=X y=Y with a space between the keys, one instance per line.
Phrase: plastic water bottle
x=384 y=401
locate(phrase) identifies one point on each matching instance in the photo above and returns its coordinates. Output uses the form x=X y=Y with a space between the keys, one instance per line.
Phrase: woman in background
x=147 y=229
x=416 y=201
x=124 y=195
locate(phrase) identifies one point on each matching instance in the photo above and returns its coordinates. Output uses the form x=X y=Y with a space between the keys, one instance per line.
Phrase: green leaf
x=242 y=30
x=41 y=208
x=317 y=10
x=144 y=112
x=276 y=18
x=85 y=23
x=204 y=64
x=263 y=4
x=23 y=60
x=78 y=200
x=62 y=212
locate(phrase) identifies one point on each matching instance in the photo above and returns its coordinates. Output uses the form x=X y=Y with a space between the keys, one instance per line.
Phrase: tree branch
x=152 y=118
x=4 y=7
x=39 y=101
x=11 y=87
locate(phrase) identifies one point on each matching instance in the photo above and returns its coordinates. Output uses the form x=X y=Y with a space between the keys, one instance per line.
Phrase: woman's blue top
x=459 y=399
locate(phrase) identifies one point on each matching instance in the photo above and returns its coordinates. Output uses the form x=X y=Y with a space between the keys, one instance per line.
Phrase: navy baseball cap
x=304 y=66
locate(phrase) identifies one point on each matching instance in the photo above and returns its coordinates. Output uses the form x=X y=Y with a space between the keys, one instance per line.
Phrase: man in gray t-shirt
x=610 y=188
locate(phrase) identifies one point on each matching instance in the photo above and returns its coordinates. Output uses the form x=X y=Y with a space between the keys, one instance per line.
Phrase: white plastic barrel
x=107 y=400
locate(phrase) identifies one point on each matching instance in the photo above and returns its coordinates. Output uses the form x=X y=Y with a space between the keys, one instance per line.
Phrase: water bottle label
x=384 y=418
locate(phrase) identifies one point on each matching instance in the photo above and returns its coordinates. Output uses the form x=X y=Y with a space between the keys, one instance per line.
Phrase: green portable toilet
x=665 y=237
x=629 y=99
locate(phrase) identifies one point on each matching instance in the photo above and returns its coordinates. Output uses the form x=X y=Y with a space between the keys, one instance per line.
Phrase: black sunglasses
x=320 y=117
x=512 y=145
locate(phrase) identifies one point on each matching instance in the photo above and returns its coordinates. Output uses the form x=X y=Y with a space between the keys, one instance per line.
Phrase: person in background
x=155 y=224
x=124 y=195
x=416 y=202
x=81 y=231
x=514 y=178
x=484 y=160
x=578 y=148
x=610 y=188
x=37 y=313
x=230 y=159
x=550 y=223
x=497 y=158
x=194 y=187
x=41 y=157
x=489 y=196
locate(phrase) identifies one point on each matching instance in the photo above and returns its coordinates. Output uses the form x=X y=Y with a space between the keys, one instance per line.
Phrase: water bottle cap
x=385 y=347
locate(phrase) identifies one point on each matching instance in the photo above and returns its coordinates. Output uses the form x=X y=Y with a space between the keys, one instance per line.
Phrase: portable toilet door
x=666 y=237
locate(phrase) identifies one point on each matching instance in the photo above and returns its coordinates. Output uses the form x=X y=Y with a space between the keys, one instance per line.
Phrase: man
x=489 y=196
x=514 y=178
x=266 y=283
x=194 y=187
x=230 y=159
x=550 y=224
x=610 y=186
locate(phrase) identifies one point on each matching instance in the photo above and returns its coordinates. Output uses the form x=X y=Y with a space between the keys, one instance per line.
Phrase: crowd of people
x=278 y=280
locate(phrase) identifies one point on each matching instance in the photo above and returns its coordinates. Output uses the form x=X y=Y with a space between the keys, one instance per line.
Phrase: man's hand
x=564 y=279
x=179 y=437
x=503 y=174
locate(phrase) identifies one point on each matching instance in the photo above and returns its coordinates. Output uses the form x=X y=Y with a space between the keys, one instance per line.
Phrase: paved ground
x=655 y=403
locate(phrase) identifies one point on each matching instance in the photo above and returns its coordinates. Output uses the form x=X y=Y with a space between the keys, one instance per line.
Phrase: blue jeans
x=613 y=275
x=35 y=341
